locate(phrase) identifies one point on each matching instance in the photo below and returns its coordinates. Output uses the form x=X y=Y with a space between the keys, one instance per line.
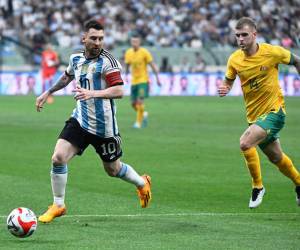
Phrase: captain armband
x=113 y=79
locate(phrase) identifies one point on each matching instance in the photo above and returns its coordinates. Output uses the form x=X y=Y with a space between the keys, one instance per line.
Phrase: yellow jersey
x=138 y=61
x=258 y=74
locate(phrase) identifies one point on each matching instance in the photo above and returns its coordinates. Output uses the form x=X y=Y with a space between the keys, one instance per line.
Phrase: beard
x=94 y=51
x=242 y=46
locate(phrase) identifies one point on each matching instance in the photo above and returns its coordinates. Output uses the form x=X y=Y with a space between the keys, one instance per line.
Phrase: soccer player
x=49 y=65
x=93 y=121
x=137 y=59
x=257 y=67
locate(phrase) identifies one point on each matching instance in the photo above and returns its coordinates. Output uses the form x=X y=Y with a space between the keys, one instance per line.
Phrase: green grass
x=201 y=186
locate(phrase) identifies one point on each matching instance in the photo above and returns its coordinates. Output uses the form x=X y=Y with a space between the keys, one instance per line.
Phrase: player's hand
x=40 y=100
x=223 y=90
x=82 y=93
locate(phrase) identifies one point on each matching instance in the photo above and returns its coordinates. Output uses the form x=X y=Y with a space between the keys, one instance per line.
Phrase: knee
x=111 y=172
x=275 y=158
x=244 y=145
x=133 y=105
x=112 y=169
x=58 y=159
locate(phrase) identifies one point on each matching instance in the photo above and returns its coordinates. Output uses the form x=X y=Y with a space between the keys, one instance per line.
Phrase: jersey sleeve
x=111 y=64
x=70 y=71
x=282 y=55
x=230 y=71
x=148 y=56
x=112 y=72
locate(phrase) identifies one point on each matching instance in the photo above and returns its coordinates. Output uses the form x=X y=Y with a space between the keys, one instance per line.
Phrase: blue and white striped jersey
x=96 y=115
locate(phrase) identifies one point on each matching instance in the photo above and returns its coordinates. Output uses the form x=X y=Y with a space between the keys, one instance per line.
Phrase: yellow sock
x=140 y=113
x=253 y=164
x=287 y=167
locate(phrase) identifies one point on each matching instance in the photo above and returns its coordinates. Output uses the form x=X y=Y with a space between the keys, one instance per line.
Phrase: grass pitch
x=201 y=186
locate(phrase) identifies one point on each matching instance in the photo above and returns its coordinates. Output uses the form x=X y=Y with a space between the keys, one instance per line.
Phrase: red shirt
x=49 y=63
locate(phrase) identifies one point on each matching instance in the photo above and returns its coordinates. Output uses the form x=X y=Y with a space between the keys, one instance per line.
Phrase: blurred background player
x=49 y=66
x=137 y=59
x=257 y=67
x=296 y=86
x=93 y=121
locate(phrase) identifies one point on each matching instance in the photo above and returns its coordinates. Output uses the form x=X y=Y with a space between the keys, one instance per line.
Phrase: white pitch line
x=172 y=215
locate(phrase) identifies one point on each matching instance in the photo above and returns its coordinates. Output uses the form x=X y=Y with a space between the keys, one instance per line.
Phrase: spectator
x=296 y=86
x=200 y=64
x=184 y=66
x=188 y=23
x=165 y=66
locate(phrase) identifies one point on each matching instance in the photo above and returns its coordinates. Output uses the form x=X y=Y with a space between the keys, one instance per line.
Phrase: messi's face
x=93 y=42
x=245 y=37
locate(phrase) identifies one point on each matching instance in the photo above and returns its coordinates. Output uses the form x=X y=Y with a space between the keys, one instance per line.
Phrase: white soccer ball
x=21 y=222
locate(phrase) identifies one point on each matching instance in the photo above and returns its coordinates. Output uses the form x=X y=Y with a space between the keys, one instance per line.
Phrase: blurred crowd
x=175 y=23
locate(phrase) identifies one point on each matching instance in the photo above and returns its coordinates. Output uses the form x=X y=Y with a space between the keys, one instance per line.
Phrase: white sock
x=127 y=173
x=59 y=176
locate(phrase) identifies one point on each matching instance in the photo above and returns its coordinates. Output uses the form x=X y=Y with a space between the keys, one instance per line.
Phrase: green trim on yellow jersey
x=292 y=60
x=228 y=79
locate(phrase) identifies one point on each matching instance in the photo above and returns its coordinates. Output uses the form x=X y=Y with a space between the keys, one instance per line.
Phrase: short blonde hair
x=245 y=21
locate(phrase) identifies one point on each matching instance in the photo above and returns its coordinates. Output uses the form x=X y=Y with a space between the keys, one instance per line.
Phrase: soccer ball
x=21 y=222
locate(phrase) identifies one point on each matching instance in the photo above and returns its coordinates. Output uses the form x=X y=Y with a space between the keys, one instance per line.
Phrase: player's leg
x=134 y=99
x=133 y=105
x=127 y=173
x=273 y=123
x=274 y=152
x=72 y=141
x=109 y=150
x=139 y=94
x=248 y=142
x=63 y=152
x=140 y=107
x=123 y=171
x=143 y=95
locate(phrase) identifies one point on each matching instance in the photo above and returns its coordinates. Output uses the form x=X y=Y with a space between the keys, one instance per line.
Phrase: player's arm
x=155 y=70
x=62 y=82
x=127 y=66
x=296 y=62
x=230 y=76
x=285 y=56
x=224 y=89
x=114 y=88
x=127 y=62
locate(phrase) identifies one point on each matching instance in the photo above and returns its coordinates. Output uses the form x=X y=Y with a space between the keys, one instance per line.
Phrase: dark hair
x=245 y=21
x=135 y=34
x=92 y=24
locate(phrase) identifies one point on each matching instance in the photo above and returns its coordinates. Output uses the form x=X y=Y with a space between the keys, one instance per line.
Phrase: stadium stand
x=169 y=27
